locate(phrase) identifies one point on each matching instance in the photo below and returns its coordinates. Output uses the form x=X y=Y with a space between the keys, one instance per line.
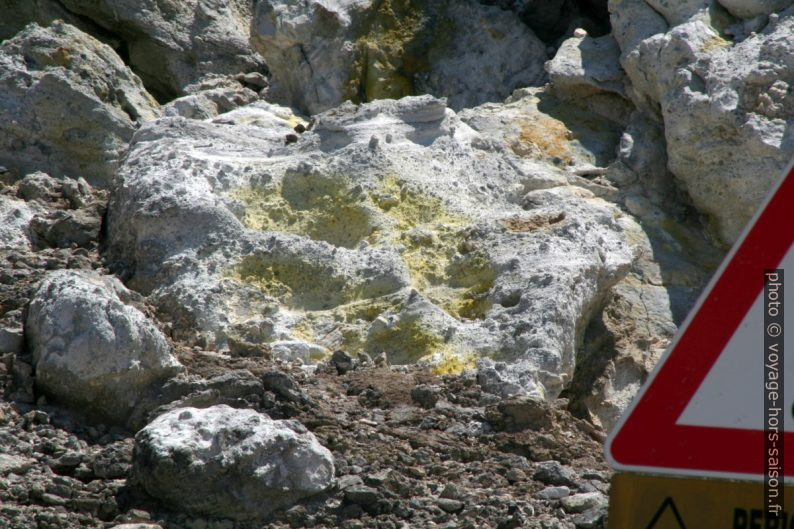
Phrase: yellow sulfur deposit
x=434 y=246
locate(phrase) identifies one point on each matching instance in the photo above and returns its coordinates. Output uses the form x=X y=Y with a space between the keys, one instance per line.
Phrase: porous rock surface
x=322 y=53
x=722 y=92
x=389 y=227
x=15 y=218
x=230 y=463
x=216 y=95
x=91 y=350
x=70 y=105
x=175 y=43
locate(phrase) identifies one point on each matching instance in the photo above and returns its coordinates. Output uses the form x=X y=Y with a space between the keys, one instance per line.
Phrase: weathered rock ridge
x=389 y=227
x=175 y=43
x=323 y=53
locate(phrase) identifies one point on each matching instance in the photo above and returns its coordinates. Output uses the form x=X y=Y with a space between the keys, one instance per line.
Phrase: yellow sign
x=652 y=502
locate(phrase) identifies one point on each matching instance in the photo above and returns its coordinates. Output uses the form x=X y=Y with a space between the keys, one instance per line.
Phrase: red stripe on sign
x=650 y=437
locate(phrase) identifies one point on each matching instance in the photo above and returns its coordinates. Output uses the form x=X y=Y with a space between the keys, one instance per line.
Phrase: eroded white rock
x=726 y=105
x=92 y=350
x=15 y=218
x=388 y=227
x=229 y=463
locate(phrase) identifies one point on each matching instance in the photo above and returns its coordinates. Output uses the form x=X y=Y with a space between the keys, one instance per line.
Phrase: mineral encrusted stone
x=229 y=463
x=388 y=227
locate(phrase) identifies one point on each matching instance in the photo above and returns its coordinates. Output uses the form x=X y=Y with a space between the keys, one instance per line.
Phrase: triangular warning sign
x=702 y=410
x=667 y=517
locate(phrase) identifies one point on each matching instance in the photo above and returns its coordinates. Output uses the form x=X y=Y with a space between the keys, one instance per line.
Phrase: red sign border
x=647 y=437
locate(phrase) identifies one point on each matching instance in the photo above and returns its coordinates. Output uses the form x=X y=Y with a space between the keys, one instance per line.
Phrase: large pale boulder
x=229 y=463
x=727 y=110
x=725 y=105
x=92 y=350
x=390 y=227
x=584 y=65
x=322 y=53
x=174 y=43
x=70 y=105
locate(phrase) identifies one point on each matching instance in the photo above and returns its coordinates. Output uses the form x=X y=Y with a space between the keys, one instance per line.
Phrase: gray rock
x=14 y=464
x=38 y=186
x=284 y=385
x=440 y=249
x=724 y=104
x=450 y=505
x=22 y=381
x=555 y=473
x=497 y=378
x=521 y=412
x=91 y=350
x=229 y=463
x=70 y=104
x=289 y=350
x=349 y=480
x=753 y=8
x=584 y=65
x=594 y=518
x=451 y=491
x=64 y=229
x=361 y=495
x=323 y=53
x=15 y=218
x=342 y=361
x=210 y=98
x=11 y=337
x=174 y=43
x=554 y=493
x=425 y=395
x=581 y=502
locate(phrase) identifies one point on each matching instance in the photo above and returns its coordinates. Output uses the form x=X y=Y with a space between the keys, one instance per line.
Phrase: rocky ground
x=410 y=448
x=393 y=264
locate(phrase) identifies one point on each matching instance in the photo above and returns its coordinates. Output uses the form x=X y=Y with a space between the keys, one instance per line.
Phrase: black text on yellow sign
x=653 y=502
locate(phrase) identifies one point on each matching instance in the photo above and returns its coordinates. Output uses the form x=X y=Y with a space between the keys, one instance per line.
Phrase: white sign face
x=732 y=394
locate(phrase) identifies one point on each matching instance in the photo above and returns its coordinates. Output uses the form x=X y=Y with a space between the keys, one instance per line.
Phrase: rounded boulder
x=92 y=349
x=229 y=463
